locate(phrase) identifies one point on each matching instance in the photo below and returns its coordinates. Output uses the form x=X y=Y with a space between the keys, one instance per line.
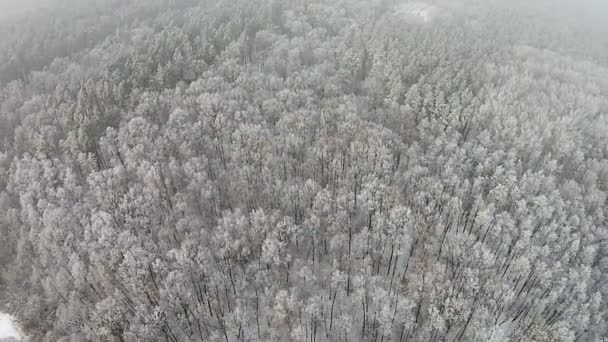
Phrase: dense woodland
x=304 y=170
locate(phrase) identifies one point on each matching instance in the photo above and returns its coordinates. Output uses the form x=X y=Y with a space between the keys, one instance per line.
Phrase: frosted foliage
x=314 y=170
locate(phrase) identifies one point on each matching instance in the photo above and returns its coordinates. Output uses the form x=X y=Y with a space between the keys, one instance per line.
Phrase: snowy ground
x=418 y=10
x=7 y=327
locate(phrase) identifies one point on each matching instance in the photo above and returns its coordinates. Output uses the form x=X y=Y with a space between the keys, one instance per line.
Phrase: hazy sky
x=12 y=7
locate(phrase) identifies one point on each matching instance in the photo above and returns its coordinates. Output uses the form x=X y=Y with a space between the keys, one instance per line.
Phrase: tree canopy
x=304 y=170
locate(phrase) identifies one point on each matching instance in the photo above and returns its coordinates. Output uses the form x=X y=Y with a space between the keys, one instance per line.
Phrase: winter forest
x=305 y=170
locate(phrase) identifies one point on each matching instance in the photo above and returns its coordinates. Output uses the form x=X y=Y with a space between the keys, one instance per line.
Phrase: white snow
x=418 y=10
x=8 y=328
